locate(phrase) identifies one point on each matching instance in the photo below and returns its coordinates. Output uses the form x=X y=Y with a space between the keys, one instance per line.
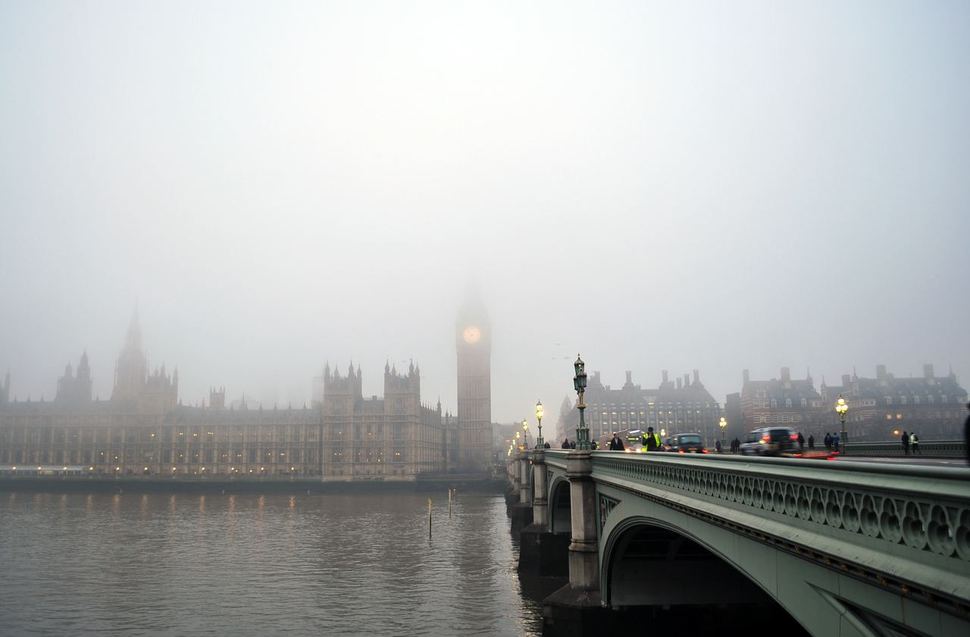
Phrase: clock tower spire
x=474 y=345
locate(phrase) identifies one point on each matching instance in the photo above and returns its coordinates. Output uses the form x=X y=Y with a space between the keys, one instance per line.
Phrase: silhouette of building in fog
x=676 y=406
x=879 y=408
x=780 y=401
x=144 y=428
x=473 y=338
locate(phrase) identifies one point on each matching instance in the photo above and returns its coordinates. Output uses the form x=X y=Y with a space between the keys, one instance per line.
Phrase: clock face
x=471 y=334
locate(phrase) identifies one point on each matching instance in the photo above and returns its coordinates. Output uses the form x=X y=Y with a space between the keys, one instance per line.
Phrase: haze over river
x=252 y=564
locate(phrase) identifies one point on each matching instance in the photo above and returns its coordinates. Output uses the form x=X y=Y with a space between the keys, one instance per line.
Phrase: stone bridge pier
x=521 y=511
x=541 y=551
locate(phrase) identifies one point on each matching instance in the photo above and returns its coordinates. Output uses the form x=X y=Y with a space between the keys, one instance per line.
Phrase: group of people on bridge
x=910 y=442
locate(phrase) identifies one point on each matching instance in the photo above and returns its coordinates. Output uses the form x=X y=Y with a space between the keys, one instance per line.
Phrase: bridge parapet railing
x=928 y=448
x=556 y=458
x=918 y=513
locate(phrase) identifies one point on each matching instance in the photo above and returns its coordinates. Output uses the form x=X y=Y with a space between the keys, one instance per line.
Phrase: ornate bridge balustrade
x=927 y=448
x=844 y=548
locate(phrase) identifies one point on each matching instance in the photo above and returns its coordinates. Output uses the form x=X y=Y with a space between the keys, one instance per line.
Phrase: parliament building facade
x=145 y=430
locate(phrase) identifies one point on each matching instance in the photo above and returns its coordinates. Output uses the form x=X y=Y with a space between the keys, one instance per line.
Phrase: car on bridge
x=769 y=441
x=685 y=443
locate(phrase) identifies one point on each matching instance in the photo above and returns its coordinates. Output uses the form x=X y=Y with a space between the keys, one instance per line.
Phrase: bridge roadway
x=842 y=548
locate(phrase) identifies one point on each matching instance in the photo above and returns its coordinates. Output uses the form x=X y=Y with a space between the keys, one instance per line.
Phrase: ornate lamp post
x=723 y=426
x=525 y=433
x=841 y=407
x=579 y=384
x=517 y=445
x=540 y=443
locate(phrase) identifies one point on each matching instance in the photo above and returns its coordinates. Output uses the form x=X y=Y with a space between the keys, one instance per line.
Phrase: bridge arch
x=655 y=569
x=560 y=509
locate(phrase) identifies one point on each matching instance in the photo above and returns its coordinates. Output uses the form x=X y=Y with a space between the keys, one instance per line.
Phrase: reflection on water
x=259 y=564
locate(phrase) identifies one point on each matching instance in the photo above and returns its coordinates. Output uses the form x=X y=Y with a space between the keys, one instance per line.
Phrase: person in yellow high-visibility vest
x=651 y=441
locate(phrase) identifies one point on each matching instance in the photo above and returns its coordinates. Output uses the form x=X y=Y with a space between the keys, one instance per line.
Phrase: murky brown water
x=192 y=564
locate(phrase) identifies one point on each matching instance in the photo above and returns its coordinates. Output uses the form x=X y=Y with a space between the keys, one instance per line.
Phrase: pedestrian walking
x=913 y=443
x=828 y=441
x=717 y=446
x=616 y=444
x=835 y=443
x=801 y=441
x=905 y=440
x=811 y=442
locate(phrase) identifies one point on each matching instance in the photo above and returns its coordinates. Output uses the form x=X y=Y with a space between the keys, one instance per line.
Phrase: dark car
x=685 y=443
x=769 y=441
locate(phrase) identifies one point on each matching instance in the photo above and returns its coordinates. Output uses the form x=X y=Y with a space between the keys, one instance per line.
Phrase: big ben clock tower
x=474 y=345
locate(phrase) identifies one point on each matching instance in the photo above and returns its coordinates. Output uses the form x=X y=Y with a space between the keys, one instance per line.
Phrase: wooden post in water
x=429 y=518
x=449 y=504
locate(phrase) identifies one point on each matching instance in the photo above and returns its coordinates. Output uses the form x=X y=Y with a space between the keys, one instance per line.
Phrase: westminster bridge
x=839 y=548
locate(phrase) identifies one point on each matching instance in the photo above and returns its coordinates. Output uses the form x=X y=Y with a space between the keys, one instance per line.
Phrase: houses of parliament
x=145 y=430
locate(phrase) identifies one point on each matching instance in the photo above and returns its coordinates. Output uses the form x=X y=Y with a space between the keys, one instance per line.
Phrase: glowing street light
x=539 y=411
x=579 y=384
x=841 y=407
x=525 y=433
x=723 y=426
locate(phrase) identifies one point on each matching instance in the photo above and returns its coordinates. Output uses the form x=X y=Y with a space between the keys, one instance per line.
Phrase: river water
x=192 y=564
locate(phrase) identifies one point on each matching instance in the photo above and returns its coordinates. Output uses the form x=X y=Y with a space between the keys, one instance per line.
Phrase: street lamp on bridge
x=539 y=411
x=841 y=407
x=525 y=433
x=723 y=426
x=579 y=384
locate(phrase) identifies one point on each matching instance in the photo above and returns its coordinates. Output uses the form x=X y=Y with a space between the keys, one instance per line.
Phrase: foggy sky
x=658 y=185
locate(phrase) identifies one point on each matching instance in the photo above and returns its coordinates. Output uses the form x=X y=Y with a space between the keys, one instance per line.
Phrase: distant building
x=678 y=406
x=473 y=338
x=75 y=390
x=734 y=416
x=881 y=408
x=780 y=401
x=394 y=437
x=144 y=429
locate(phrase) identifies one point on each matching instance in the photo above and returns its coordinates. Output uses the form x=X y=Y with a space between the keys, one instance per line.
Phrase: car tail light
x=680 y=451
x=793 y=436
x=766 y=438
x=704 y=451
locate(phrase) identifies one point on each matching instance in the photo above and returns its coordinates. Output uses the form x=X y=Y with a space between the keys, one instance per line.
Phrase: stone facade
x=389 y=438
x=473 y=337
x=144 y=430
x=676 y=406
x=881 y=408
x=780 y=401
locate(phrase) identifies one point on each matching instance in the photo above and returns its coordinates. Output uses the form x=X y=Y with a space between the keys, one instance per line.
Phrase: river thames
x=250 y=564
